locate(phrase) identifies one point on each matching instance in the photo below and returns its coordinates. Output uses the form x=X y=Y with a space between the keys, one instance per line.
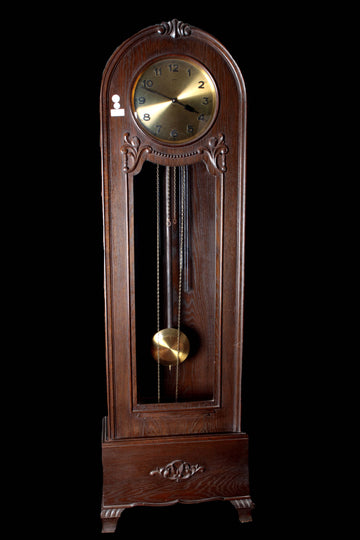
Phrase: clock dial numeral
x=140 y=100
x=147 y=83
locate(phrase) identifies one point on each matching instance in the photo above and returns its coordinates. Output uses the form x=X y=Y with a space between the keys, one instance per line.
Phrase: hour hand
x=189 y=108
x=186 y=106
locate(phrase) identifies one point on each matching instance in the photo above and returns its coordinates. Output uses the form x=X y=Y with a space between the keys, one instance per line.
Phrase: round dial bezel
x=181 y=107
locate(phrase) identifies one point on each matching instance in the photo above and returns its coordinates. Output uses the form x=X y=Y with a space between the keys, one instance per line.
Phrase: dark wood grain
x=204 y=426
x=129 y=463
x=220 y=462
x=218 y=297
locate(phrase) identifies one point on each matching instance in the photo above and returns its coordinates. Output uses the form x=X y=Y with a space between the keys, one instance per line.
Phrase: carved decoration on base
x=177 y=470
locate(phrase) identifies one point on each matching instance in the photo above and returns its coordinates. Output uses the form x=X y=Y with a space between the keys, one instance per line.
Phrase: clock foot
x=243 y=507
x=109 y=525
x=109 y=518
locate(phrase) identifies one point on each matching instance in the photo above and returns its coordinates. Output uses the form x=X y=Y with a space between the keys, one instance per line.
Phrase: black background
x=59 y=311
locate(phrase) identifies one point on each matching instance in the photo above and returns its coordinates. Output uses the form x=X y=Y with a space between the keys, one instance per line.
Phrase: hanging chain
x=168 y=197
x=181 y=249
x=158 y=275
x=174 y=196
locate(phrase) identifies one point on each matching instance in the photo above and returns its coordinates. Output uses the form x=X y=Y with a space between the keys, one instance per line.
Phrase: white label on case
x=116 y=111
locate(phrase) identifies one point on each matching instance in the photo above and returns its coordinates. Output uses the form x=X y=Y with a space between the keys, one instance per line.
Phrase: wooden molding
x=134 y=153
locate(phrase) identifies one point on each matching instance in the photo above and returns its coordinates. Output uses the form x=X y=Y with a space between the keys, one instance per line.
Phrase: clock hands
x=159 y=93
x=188 y=107
x=173 y=100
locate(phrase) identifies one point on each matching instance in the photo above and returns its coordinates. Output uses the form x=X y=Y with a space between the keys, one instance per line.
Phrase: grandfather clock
x=173 y=139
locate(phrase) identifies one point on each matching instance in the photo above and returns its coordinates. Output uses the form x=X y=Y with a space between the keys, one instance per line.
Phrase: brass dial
x=175 y=99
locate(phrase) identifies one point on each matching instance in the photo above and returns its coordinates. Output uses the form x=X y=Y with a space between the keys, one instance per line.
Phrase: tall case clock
x=173 y=141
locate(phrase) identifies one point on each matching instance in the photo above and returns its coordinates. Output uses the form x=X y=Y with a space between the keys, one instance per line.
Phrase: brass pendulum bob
x=170 y=346
x=164 y=347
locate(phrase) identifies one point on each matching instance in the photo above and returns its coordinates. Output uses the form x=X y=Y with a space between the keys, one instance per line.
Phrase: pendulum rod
x=181 y=250
x=168 y=249
x=158 y=275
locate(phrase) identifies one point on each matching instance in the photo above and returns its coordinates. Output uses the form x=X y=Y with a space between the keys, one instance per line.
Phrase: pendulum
x=165 y=346
x=170 y=346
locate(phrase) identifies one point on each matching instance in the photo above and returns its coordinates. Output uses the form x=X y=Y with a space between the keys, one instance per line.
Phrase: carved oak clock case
x=173 y=138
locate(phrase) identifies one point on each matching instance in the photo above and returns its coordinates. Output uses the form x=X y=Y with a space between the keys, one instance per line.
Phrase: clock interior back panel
x=198 y=375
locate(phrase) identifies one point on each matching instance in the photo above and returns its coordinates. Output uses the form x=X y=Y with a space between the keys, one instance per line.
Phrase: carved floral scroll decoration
x=175 y=28
x=133 y=152
x=177 y=470
x=213 y=153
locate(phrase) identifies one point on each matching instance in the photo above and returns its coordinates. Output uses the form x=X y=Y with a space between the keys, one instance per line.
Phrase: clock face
x=175 y=100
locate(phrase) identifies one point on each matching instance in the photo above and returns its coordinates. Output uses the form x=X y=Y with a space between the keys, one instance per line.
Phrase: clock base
x=162 y=471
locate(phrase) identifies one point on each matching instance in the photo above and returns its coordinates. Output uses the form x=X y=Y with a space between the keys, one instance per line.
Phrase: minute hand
x=173 y=100
x=158 y=93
